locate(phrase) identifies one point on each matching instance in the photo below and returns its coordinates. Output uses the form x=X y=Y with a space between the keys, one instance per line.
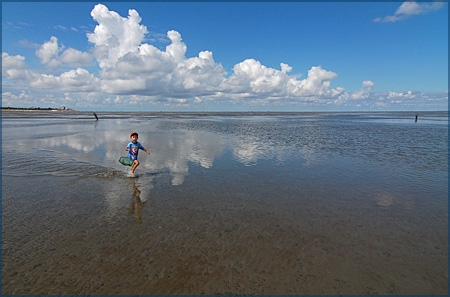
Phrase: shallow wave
x=43 y=162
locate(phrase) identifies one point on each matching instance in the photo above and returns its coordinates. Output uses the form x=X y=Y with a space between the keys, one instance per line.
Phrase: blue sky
x=195 y=56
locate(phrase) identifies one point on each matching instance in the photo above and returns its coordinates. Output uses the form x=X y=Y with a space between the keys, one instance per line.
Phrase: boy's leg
x=135 y=164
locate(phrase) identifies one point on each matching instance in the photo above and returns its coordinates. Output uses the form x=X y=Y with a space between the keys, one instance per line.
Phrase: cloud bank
x=122 y=70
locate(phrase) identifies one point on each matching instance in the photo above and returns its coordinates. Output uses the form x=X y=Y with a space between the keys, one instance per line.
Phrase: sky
x=225 y=56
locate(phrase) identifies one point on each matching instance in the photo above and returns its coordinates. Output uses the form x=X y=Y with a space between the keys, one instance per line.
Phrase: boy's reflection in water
x=137 y=204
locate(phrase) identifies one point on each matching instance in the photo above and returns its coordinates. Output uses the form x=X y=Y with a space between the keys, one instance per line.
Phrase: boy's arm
x=144 y=149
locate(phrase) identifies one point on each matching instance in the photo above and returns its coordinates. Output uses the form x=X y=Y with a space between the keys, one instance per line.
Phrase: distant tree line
x=36 y=108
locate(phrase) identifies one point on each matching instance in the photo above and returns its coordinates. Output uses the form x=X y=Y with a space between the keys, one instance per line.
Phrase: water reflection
x=170 y=150
x=174 y=150
x=276 y=142
x=137 y=202
x=177 y=143
x=311 y=149
x=127 y=195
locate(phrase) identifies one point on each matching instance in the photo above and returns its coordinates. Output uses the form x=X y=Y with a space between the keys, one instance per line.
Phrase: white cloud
x=413 y=8
x=317 y=82
x=199 y=74
x=13 y=66
x=285 y=68
x=123 y=86
x=408 y=9
x=252 y=79
x=78 y=80
x=48 y=52
x=364 y=92
x=250 y=76
x=397 y=95
x=11 y=99
x=75 y=57
x=177 y=49
x=130 y=66
x=114 y=36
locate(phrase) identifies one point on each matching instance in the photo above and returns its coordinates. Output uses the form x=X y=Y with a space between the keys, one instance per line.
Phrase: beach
x=226 y=203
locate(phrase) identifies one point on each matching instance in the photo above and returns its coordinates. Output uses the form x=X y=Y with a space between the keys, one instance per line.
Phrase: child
x=133 y=149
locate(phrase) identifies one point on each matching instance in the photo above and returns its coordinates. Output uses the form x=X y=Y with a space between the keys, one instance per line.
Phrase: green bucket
x=126 y=161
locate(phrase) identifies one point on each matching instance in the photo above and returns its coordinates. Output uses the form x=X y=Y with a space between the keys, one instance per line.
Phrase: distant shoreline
x=36 y=109
x=48 y=109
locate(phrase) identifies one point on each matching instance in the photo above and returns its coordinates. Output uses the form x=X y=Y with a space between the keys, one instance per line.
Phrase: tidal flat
x=226 y=203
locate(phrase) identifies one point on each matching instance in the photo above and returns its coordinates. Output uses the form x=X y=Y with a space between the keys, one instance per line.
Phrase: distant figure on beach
x=133 y=149
x=96 y=117
x=417 y=116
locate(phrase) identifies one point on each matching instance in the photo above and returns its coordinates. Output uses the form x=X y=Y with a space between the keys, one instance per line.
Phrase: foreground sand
x=213 y=236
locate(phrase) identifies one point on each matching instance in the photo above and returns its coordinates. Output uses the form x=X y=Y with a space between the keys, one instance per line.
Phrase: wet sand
x=288 y=205
x=189 y=240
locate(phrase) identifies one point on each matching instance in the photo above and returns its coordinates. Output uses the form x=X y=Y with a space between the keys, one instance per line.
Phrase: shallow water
x=291 y=203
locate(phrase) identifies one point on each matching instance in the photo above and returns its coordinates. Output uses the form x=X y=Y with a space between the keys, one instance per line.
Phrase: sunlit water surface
x=309 y=169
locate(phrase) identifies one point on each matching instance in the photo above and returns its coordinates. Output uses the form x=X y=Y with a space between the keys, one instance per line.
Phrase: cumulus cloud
x=48 y=52
x=53 y=55
x=130 y=66
x=408 y=9
x=397 y=95
x=115 y=36
x=250 y=76
x=318 y=82
x=75 y=57
x=12 y=66
x=201 y=74
x=78 y=80
x=364 y=92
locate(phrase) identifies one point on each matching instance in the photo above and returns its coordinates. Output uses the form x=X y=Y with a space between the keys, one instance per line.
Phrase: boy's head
x=134 y=136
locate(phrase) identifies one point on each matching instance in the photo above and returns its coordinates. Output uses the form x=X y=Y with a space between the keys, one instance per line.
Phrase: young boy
x=133 y=148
